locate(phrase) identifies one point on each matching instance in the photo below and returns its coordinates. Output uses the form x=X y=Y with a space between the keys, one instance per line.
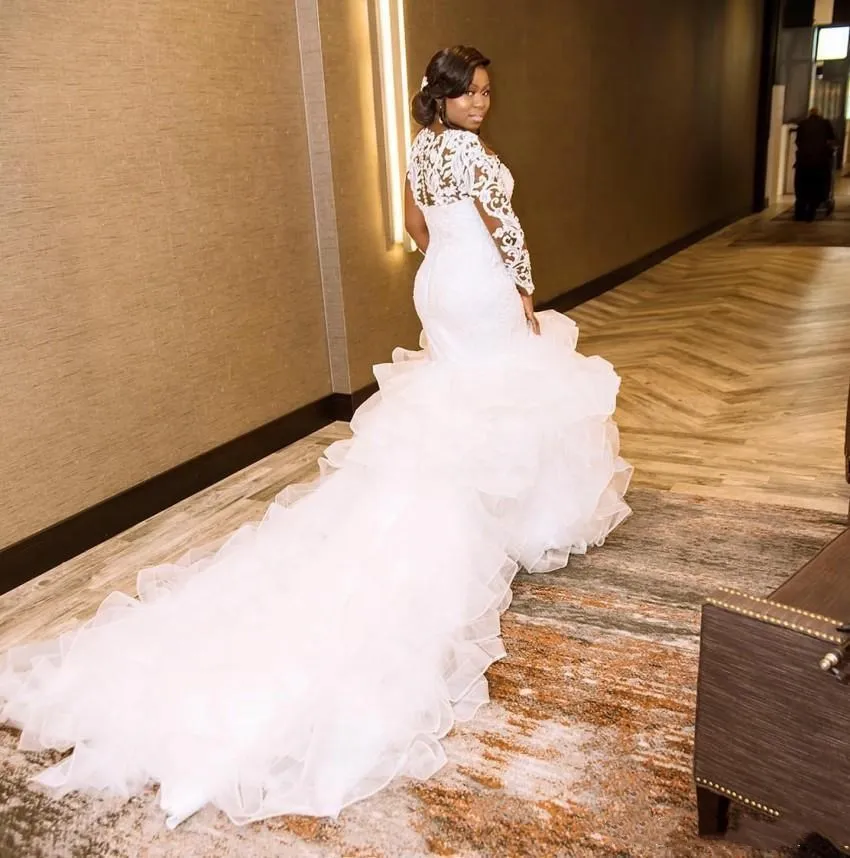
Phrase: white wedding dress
x=328 y=649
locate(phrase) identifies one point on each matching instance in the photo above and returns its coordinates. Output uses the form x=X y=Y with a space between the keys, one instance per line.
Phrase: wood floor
x=735 y=363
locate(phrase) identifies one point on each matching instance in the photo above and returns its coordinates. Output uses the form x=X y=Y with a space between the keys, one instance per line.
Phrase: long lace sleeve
x=484 y=182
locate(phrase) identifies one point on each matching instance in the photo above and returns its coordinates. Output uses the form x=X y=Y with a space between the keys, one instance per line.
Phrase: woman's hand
x=528 y=307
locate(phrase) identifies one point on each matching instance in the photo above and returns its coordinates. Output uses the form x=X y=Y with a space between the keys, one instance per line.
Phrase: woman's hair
x=448 y=75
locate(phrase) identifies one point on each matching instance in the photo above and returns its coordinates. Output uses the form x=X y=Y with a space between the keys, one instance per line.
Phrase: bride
x=329 y=648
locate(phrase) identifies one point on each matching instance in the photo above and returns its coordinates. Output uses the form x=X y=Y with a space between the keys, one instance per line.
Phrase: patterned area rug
x=584 y=751
x=832 y=231
x=842 y=212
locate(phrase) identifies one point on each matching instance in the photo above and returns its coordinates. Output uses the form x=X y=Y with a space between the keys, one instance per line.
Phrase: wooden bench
x=772 y=739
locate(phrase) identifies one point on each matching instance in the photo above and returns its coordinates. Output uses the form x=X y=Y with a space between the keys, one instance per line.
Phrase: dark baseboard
x=60 y=542
x=601 y=285
x=360 y=396
x=44 y=550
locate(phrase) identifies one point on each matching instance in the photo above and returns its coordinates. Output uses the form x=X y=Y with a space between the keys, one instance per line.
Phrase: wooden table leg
x=713 y=813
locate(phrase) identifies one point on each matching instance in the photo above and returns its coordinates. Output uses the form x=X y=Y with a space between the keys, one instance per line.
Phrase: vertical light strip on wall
x=394 y=92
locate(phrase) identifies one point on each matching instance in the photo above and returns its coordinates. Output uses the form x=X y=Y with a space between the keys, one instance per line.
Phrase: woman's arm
x=414 y=220
x=494 y=206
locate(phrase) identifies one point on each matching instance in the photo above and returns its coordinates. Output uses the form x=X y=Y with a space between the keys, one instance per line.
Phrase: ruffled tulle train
x=327 y=649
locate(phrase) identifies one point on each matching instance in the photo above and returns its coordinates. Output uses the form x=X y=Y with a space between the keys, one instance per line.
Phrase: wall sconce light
x=396 y=110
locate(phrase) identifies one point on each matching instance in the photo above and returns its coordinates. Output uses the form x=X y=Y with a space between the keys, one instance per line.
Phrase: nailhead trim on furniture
x=780 y=605
x=738 y=797
x=775 y=621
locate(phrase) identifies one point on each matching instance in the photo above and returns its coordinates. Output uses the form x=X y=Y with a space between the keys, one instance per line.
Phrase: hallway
x=735 y=362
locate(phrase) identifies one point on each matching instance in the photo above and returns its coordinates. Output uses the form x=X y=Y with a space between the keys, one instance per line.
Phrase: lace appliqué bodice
x=453 y=165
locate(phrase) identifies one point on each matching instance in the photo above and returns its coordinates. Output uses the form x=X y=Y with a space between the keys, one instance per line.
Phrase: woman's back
x=443 y=165
x=465 y=193
x=465 y=291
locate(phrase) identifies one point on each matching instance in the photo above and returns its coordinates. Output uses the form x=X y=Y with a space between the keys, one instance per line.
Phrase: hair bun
x=424 y=108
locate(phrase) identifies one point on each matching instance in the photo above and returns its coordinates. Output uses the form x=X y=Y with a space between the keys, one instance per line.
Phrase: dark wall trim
x=771 y=19
x=60 y=542
x=597 y=287
x=798 y=13
x=841 y=12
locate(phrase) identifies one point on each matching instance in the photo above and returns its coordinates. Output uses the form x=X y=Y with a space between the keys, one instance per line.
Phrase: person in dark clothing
x=815 y=145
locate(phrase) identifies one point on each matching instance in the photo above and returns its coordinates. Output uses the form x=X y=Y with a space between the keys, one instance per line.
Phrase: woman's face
x=468 y=110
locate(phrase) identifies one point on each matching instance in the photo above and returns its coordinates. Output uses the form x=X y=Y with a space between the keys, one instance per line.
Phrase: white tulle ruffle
x=326 y=650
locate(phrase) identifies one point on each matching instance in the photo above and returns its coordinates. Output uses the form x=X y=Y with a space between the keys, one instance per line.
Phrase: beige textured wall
x=160 y=291
x=627 y=125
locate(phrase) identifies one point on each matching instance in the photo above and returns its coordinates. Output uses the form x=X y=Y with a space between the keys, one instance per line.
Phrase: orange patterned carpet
x=584 y=751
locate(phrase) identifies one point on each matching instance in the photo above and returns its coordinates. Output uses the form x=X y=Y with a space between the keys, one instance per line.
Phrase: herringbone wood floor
x=735 y=364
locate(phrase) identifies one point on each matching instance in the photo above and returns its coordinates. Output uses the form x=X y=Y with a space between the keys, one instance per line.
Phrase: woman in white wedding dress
x=328 y=649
